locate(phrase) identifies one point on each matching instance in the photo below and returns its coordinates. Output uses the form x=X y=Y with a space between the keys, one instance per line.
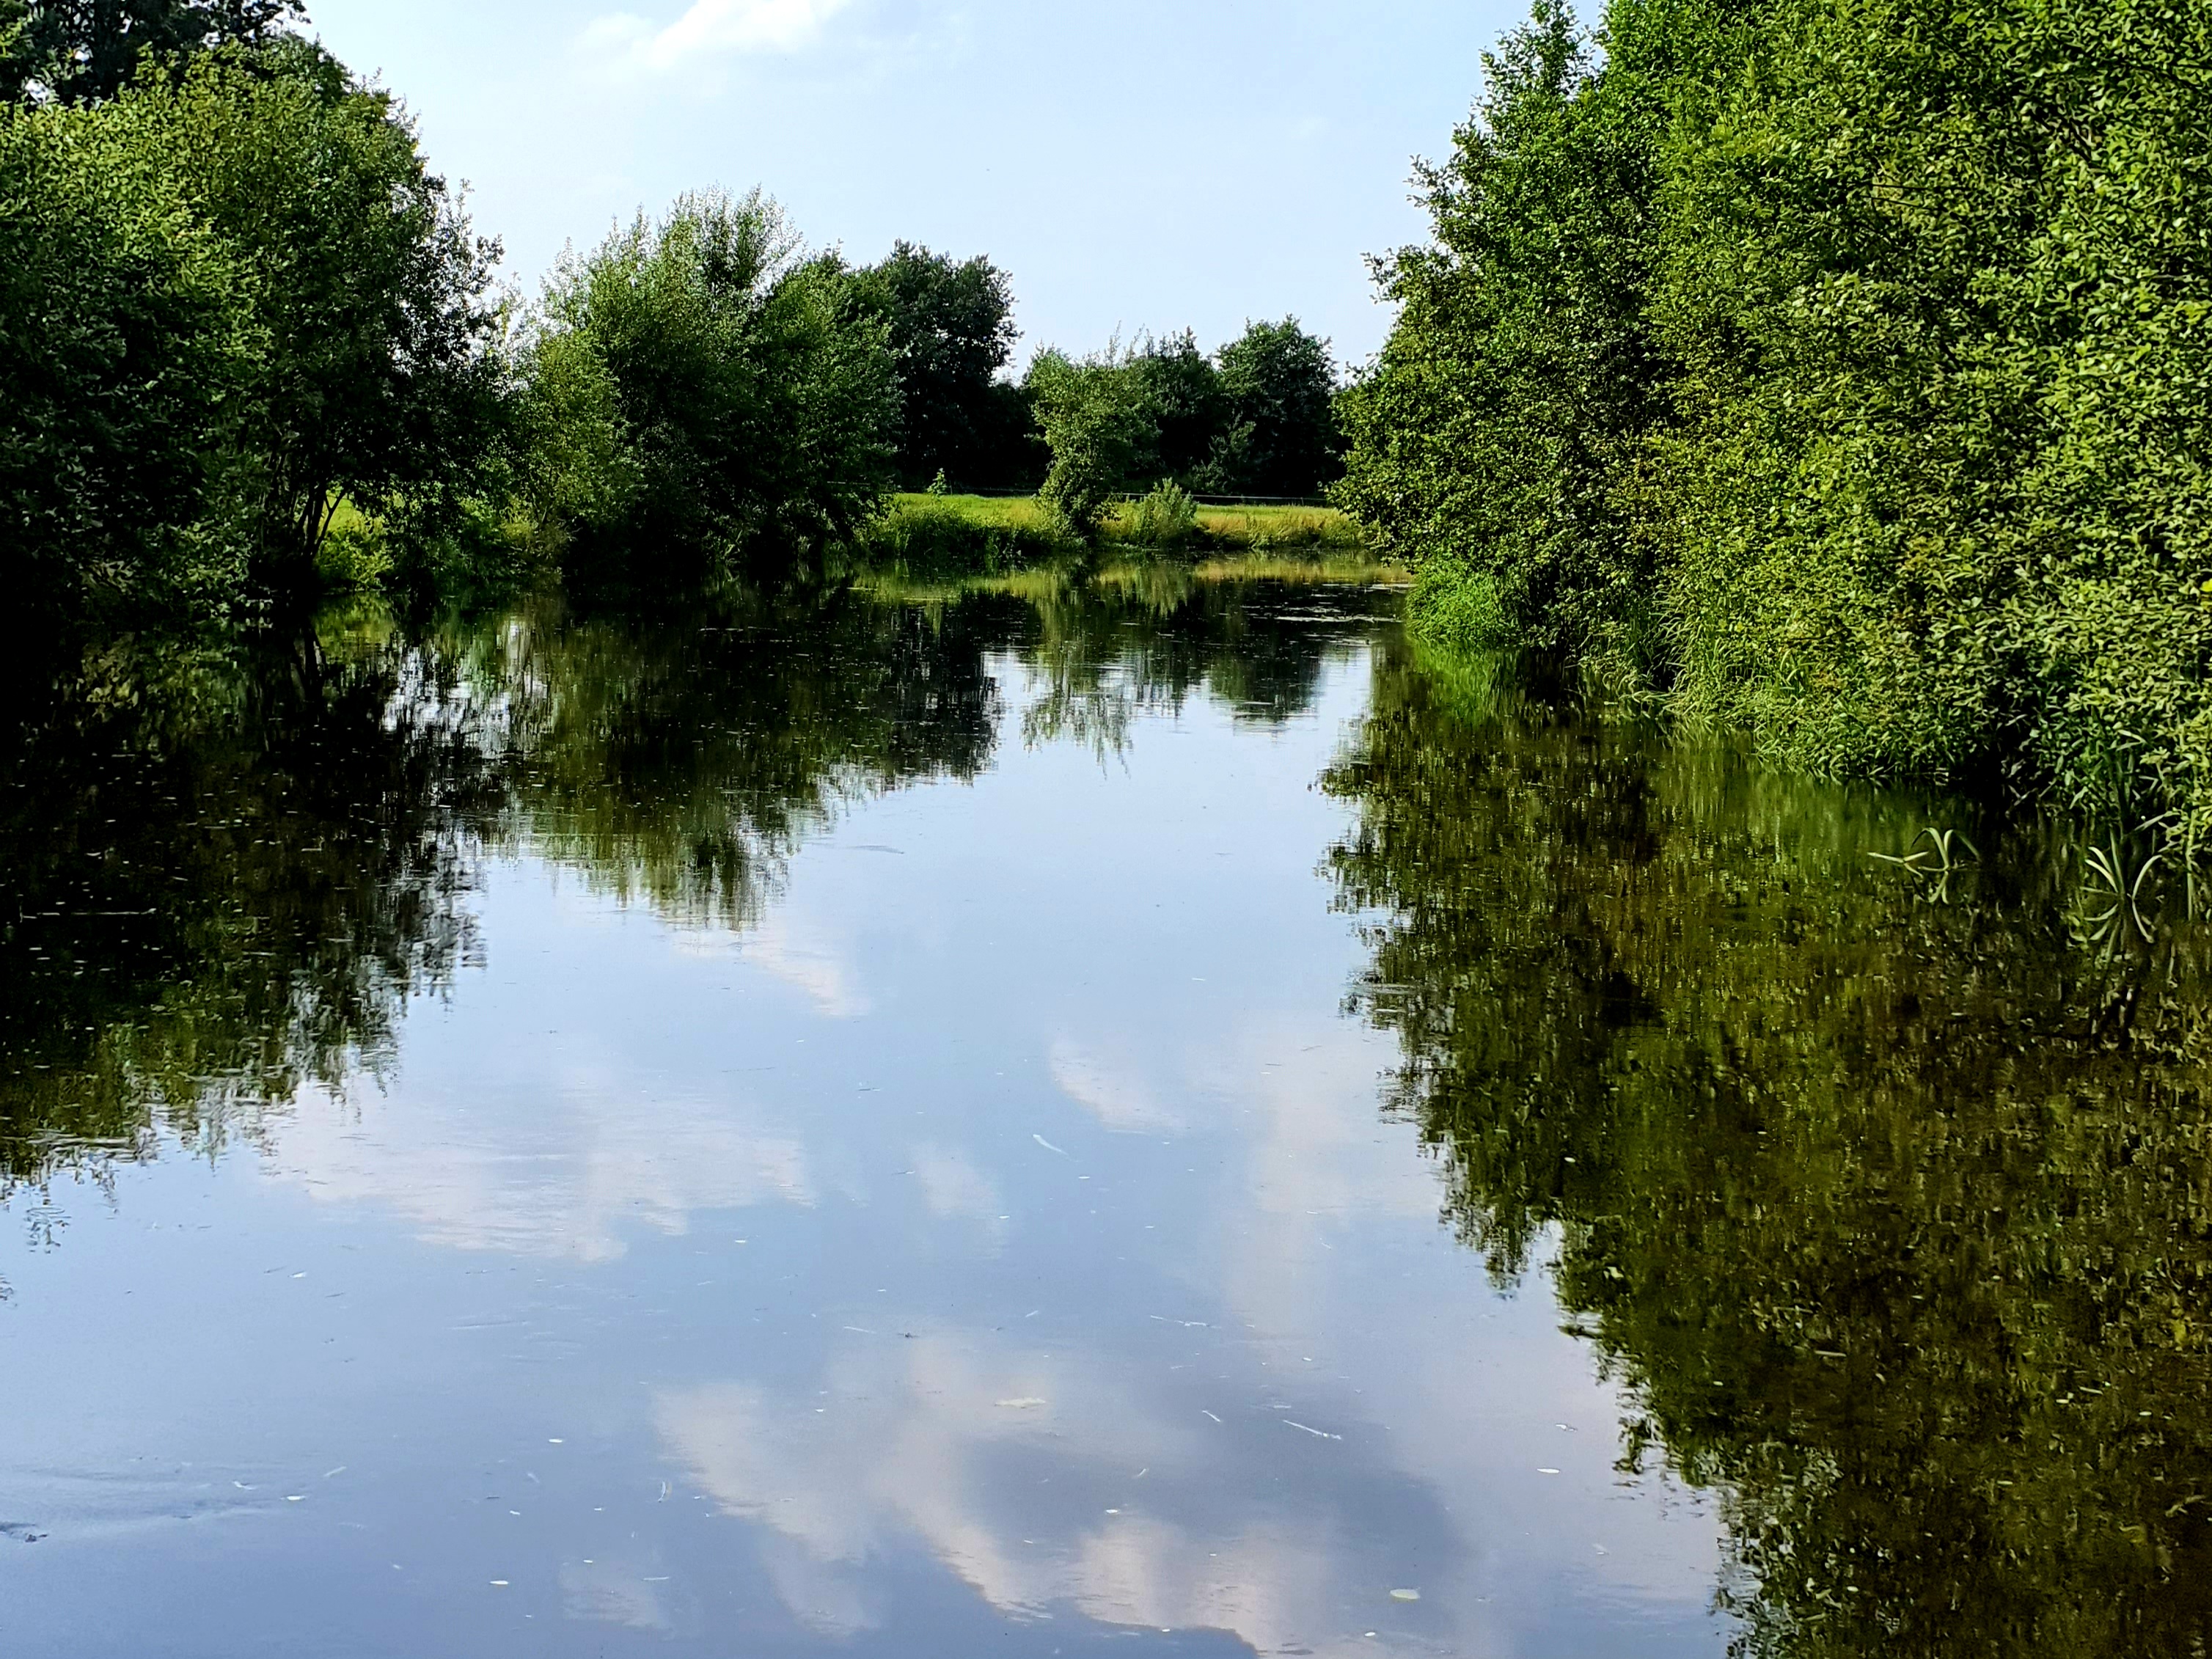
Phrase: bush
x=234 y=297
x=700 y=394
x=1167 y=518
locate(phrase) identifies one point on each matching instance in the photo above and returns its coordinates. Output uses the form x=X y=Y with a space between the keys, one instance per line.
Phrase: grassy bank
x=956 y=536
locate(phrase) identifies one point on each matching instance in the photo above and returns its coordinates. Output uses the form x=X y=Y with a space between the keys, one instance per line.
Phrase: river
x=1144 y=1113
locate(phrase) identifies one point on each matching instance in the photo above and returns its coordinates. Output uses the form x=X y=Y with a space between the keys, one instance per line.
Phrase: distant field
x=1240 y=526
x=1221 y=528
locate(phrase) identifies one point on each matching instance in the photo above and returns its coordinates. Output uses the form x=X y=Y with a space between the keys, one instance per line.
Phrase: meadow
x=931 y=536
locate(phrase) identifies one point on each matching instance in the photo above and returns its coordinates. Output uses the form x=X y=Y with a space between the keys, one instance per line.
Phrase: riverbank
x=957 y=535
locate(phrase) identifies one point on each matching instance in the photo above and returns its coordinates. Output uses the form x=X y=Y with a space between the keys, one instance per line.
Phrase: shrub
x=700 y=392
x=1167 y=518
x=1094 y=419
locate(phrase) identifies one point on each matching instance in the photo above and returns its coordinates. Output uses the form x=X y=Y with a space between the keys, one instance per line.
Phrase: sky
x=1138 y=166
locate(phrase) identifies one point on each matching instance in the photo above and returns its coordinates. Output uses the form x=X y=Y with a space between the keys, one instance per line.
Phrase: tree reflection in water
x=226 y=867
x=1885 y=1196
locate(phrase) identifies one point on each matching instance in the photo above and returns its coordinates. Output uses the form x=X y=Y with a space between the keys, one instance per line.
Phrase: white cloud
x=566 y=1169
x=1113 y=1094
x=710 y=29
x=940 y=1439
x=953 y=1186
x=810 y=965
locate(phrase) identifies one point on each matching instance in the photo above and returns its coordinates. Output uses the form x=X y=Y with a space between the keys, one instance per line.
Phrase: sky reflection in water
x=957 y=1129
x=995 y=1246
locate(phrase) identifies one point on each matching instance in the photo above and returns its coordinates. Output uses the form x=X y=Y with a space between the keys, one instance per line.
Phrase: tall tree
x=1181 y=391
x=1492 y=439
x=952 y=329
x=85 y=51
x=1280 y=436
x=378 y=382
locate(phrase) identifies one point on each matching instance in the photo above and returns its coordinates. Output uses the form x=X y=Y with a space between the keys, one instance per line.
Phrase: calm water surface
x=1144 y=1114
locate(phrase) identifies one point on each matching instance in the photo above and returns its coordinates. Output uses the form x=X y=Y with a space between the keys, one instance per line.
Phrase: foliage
x=1490 y=442
x=1166 y=518
x=1278 y=434
x=1186 y=410
x=1880 y=1187
x=703 y=394
x=1838 y=370
x=84 y=51
x=1258 y=418
x=1094 y=422
x=236 y=297
x=128 y=340
x=952 y=329
x=378 y=381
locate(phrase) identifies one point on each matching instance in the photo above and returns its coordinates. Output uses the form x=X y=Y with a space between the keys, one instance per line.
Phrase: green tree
x=1096 y=424
x=129 y=347
x=1278 y=434
x=740 y=399
x=379 y=381
x=952 y=329
x=1185 y=406
x=1496 y=440
x=84 y=51
x=242 y=298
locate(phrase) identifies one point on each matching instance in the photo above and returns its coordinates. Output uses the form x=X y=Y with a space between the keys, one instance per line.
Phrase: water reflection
x=760 y=1140
x=1885 y=1195
x=874 y=1187
x=224 y=872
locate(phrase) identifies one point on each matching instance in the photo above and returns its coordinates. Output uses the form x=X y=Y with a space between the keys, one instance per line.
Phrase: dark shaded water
x=1147 y=1115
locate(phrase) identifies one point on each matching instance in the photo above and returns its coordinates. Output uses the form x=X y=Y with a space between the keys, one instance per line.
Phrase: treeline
x=250 y=342
x=1839 y=371
x=231 y=297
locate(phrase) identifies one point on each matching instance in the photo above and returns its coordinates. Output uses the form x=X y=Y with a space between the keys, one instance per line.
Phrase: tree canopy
x=233 y=294
x=84 y=51
x=706 y=392
x=951 y=326
x=1835 y=372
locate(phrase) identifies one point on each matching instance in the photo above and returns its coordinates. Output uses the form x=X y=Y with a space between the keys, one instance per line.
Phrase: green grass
x=1157 y=580
x=932 y=536
x=1275 y=529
